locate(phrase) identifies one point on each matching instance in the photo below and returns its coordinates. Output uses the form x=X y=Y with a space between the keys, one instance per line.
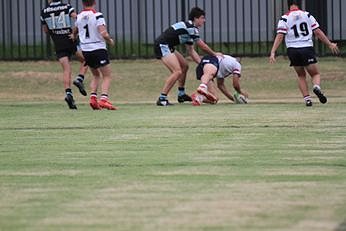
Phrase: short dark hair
x=196 y=12
x=294 y=2
x=88 y=2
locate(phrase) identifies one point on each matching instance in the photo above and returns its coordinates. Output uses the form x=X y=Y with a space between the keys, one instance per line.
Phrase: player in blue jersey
x=180 y=33
x=56 y=21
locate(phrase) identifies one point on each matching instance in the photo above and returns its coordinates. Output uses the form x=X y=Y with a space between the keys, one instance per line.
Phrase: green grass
x=270 y=165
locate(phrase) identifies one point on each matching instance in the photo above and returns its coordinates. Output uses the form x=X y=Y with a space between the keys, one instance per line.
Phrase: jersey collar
x=93 y=10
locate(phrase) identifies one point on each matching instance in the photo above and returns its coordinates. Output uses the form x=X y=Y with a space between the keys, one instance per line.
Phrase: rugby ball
x=239 y=98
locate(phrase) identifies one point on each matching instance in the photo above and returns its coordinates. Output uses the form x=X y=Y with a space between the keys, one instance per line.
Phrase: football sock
x=163 y=96
x=68 y=91
x=80 y=78
x=316 y=86
x=307 y=97
x=93 y=94
x=203 y=86
x=104 y=96
x=181 y=91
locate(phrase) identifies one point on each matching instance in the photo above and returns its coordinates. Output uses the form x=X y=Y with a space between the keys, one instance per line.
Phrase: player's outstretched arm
x=321 y=36
x=221 y=85
x=236 y=85
x=201 y=44
x=193 y=54
x=277 y=42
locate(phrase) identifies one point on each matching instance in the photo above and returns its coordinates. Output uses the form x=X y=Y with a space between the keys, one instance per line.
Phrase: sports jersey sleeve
x=70 y=10
x=282 y=25
x=43 y=22
x=313 y=22
x=193 y=35
x=100 y=20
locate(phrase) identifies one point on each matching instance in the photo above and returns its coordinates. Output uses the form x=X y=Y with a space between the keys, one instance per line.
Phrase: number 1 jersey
x=298 y=27
x=87 y=23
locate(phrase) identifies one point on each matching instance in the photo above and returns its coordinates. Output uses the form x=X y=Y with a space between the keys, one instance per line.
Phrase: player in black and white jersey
x=219 y=68
x=56 y=20
x=180 y=33
x=93 y=35
x=297 y=27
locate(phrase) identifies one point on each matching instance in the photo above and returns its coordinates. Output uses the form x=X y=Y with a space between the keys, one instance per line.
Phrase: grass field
x=273 y=164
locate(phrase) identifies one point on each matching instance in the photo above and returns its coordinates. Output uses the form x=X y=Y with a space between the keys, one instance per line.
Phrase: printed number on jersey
x=303 y=29
x=58 y=22
x=87 y=34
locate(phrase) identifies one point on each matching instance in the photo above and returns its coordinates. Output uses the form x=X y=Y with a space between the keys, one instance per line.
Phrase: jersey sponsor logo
x=297 y=18
x=56 y=8
x=61 y=32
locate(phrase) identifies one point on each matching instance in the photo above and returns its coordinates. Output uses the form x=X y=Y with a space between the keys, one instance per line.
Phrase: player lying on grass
x=219 y=67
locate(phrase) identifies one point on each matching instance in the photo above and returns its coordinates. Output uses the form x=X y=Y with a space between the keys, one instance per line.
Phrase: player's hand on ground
x=334 y=48
x=244 y=93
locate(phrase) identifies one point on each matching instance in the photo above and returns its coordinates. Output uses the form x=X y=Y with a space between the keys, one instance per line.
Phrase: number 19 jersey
x=298 y=27
x=87 y=23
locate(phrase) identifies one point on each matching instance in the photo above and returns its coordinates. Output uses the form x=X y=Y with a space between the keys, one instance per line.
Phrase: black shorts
x=67 y=52
x=162 y=50
x=301 y=56
x=96 y=58
x=208 y=59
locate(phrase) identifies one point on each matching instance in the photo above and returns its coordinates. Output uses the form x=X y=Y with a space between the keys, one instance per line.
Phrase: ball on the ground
x=240 y=99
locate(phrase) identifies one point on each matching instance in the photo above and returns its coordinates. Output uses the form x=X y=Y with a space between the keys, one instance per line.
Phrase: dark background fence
x=237 y=27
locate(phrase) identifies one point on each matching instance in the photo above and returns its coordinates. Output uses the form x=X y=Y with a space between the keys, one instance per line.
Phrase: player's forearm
x=277 y=43
x=322 y=37
x=228 y=94
x=201 y=44
x=194 y=55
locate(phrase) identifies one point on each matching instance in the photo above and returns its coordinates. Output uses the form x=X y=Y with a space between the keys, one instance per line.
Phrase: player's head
x=197 y=16
x=294 y=2
x=196 y=12
x=88 y=3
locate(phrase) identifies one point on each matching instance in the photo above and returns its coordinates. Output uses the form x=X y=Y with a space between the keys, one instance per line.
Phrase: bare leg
x=106 y=79
x=172 y=63
x=184 y=68
x=82 y=68
x=95 y=81
x=66 y=66
x=316 y=80
x=302 y=83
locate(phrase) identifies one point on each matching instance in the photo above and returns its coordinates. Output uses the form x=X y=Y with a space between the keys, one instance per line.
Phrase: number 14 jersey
x=298 y=27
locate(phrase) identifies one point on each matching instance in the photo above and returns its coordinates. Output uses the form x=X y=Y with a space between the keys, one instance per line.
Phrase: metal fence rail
x=238 y=27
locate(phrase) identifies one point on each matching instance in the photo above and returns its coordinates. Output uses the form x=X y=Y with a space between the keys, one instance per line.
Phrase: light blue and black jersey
x=57 y=17
x=179 y=33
